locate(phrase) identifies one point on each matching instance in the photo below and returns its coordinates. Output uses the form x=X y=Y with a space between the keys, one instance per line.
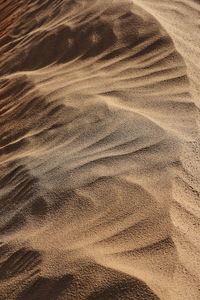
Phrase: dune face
x=100 y=173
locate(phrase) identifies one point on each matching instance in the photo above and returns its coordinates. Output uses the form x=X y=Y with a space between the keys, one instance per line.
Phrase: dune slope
x=99 y=150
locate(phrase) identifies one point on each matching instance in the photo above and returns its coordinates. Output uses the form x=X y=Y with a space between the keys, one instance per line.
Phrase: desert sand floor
x=99 y=150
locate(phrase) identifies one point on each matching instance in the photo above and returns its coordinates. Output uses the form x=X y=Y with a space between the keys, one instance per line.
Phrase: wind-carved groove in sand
x=18 y=263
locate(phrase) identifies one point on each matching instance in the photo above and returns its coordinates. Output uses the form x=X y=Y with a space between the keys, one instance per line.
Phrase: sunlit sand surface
x=99 y=150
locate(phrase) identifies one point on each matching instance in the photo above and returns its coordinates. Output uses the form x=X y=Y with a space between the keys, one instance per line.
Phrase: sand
x=99 y=150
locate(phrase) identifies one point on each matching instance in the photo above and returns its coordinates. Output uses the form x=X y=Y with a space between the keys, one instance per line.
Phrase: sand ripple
x=99 y=145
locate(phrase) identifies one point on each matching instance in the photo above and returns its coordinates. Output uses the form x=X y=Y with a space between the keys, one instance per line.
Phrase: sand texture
x=99 y=150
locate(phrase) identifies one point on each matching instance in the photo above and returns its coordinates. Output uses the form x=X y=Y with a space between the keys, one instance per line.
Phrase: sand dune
x=99 y=150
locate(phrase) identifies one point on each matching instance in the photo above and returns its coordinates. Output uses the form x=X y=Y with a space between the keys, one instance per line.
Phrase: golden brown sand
x=99 y=150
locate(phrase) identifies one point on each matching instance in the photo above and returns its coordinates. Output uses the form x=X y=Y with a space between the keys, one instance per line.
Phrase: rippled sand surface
x=99 y=150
